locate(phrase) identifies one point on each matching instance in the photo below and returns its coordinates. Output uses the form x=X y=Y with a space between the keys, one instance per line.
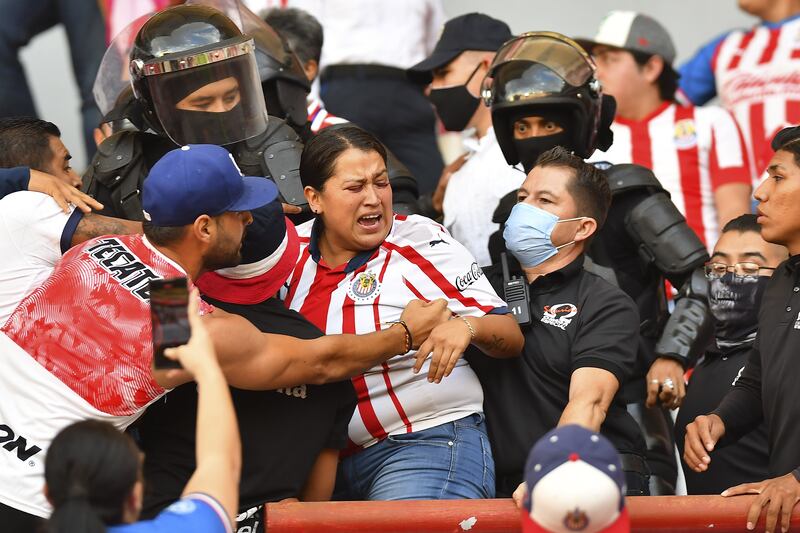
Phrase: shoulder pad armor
x=276 y=155
x=119 y=167
x=625 y=177
x=663 y=236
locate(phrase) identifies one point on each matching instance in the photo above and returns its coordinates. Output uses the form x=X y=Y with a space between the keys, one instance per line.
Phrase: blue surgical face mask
x=527 y=234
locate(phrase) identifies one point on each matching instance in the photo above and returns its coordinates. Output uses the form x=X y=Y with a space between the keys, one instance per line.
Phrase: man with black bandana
x=539 y=77
x=767 y=389
x=454 y=71
x=738 y=272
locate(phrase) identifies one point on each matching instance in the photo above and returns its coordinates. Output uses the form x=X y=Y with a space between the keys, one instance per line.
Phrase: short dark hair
x=163 y=235
x=668 y=79
x=588 y=186
x=25 y=142
x=300 y=28
x=318 y=161
x=743 y=223
x=788 y=141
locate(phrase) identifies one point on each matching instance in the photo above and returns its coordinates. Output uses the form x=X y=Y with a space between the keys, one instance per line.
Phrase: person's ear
x=653 y=68
x=311 y=68
x=586 y=228
x=203 y=228
x=314 y=199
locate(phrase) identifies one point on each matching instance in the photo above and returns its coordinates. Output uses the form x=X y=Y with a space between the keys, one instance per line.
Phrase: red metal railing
x=655 y=513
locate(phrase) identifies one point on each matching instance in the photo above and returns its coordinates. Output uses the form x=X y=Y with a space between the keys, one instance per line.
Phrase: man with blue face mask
x=582 y=341
x=738 y=273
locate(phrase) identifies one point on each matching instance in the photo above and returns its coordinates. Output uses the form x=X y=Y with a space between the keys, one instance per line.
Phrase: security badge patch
x=365 y=287
x=559 y=315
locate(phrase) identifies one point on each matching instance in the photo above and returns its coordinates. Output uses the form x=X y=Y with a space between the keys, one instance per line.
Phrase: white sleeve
x=446 y=269
x=32 y=225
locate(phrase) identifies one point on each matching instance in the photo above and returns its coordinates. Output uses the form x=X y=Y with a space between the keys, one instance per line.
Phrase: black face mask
x=734 y=302
x=455 y=105
x=205 y=127
x=531 y=148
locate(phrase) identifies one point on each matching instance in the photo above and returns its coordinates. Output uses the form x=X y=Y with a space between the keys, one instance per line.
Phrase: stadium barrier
x=648 y=514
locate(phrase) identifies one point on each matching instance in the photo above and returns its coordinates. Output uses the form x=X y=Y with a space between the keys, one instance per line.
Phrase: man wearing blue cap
x=80 y=346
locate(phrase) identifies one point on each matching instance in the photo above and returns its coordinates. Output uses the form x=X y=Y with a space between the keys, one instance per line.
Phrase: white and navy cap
x=575 y=483
x=633 y=31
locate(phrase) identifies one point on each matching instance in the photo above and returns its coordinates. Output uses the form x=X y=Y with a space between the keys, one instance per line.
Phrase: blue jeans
x=446 y=462
x=22 y=20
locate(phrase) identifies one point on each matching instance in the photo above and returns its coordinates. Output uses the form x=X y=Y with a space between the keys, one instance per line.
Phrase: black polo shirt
x=578 y=320
x=743 y=462
x=768 y=387
x=282 y=431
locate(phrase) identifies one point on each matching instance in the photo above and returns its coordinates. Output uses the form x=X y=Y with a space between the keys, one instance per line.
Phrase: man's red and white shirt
x=418 y=259
x=78 y=347
x=692 y=151
x=756 y=74
x=319 y=117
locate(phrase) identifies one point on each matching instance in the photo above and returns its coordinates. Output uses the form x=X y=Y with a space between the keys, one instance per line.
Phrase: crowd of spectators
x=575 y=296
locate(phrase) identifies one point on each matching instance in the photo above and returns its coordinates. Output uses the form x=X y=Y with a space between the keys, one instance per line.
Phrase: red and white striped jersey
x=756 y=74
x=79 y=346
x=319 y=117
x=691 y=150
x=418 y=259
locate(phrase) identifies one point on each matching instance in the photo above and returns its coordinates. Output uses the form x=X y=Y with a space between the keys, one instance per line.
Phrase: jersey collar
x=774 y=25
x=313 y=249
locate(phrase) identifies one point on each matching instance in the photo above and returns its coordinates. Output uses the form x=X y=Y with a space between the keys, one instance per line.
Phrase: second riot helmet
x=548 y=75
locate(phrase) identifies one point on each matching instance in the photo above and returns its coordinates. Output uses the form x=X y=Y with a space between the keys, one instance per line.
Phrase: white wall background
x=691 y=23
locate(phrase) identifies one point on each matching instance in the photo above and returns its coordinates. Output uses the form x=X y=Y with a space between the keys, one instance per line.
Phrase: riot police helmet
x=546 y=74
x=195 y=75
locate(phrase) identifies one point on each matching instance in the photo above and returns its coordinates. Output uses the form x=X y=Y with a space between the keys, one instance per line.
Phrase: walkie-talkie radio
x=516 y=294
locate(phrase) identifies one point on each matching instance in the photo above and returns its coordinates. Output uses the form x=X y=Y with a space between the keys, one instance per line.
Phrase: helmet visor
x=540 y=63
x=218 y=103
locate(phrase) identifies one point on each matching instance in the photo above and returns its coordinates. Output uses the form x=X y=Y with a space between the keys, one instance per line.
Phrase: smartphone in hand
x=169 y=299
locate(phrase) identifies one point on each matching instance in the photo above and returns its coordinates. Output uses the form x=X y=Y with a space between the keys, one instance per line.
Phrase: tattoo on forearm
x=497 y=344
x=93 y=225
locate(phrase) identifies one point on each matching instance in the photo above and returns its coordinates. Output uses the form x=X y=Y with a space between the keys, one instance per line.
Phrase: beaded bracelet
x=409 y=340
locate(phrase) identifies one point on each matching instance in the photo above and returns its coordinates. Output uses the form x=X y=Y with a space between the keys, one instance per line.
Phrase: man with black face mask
x=455 y=71
x=738 y=272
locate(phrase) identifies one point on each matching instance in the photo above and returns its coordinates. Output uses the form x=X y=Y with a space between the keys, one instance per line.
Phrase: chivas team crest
x=365 y=286
x=576 y=520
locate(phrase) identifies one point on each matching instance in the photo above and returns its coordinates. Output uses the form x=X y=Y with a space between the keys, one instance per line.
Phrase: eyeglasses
x=746 y=269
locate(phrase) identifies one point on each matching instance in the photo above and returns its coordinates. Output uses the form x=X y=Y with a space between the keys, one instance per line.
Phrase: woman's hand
x=445 y=344
x=422 y=317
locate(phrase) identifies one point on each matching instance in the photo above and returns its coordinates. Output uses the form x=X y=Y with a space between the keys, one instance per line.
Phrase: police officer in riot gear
x=545 y=79
x=197 y=78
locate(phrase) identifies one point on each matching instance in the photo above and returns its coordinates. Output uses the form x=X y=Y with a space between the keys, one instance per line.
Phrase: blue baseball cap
x=575 y=482
x=200 y=179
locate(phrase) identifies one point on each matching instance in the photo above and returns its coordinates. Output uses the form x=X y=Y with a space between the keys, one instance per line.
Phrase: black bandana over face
x=734 y=302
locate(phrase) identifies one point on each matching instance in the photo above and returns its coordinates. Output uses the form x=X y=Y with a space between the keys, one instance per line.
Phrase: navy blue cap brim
x=422 y=72
x=258 y=191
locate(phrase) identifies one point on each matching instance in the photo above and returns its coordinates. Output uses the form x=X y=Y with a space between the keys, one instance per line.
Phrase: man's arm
x=321 y=480
x=259 y=361
x=93 y=225
x=590 y=393
x=497 y=336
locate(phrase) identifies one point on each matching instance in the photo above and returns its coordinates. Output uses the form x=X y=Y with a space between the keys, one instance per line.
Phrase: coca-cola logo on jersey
x=475 y=272
x=745 y=86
